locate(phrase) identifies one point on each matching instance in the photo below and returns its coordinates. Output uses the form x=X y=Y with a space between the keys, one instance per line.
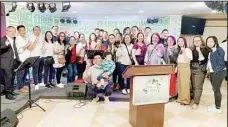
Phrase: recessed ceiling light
x=214 y=11
x=141 y=11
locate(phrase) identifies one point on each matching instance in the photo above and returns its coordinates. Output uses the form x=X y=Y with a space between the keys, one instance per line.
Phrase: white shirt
x=181 y=57
x=20 y=44
x=122 y=53
x=10 y=40
x=80 y=46
x=209 y=67
x=93 y=72
x=37 y=51
x=48 y=49
x=224 y=47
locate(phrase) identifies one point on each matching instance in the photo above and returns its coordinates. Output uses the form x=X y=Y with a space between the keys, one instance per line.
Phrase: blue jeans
x=72 y=72
x=35 y=71
x=124 y=85
x=21 y=78
x=48 y=69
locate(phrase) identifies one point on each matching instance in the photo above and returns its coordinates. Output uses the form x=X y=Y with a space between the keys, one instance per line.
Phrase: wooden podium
x=150 y=115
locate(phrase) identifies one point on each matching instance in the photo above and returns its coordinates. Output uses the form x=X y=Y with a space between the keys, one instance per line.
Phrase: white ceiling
x=123 y=10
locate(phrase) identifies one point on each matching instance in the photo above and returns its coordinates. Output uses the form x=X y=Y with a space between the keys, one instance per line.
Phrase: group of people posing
x=135 y=46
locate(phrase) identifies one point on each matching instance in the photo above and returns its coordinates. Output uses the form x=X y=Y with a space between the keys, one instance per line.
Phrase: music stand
x=29 y=62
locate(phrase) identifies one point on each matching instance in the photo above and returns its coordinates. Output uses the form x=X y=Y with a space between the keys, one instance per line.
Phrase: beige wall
x=216 y=28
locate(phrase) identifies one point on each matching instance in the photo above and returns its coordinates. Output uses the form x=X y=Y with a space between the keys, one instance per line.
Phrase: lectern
x=149 y=114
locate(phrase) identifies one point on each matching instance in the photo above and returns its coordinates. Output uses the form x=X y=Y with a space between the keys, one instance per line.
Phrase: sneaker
x=48 y=86
x=211 y=107
x=52 y=85
x=60 y=85
x=128 y=91
x=106 y=99
x=194 y=106
x=124 y=92
x=95 y=100
x=36 y=87
x=214 y=110
x=41 y=84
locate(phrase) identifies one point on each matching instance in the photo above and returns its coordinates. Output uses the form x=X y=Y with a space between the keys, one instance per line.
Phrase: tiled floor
x=61 y=113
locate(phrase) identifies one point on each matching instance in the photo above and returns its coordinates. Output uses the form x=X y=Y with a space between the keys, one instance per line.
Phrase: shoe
x=128 y=91
x=106 y=100
x=26 y=87
x=60 y=85
x=95 y=100
x=36 y=87
x=23 y=90
x=211 y=107
x=10 y=97
x=15 y=94
x=214 y=110
x=194 y=106
x=48 y=86
x=41 y=84
x=124 y=92
x=52 y=85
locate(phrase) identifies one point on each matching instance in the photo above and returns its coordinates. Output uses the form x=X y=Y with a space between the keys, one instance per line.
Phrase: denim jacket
x=217 y=60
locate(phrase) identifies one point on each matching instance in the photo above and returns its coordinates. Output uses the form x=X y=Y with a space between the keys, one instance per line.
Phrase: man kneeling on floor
x=95 y=87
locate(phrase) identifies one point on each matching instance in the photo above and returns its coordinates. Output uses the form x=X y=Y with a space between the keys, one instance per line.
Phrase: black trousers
x=59 y=74
x=216 y=82
x=116 y=74
x=81 y=68
x=9 y=76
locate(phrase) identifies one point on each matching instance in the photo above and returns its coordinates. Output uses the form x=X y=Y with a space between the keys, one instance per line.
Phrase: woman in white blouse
x=59 y=57
x=81 y=54
x=48 y=68
x=124 y=52
x=183 y=68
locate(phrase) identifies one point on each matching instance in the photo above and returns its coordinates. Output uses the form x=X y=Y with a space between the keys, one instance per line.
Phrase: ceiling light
x=31 y=7
x=62 y=20
x=41 y=7
x=14 y=7
x=52 y=7
x=74 y=11
x=141 y=11
x=65 y=6
x=75 y=21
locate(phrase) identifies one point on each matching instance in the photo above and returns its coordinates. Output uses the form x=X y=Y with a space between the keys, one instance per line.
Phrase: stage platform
x=47 y=93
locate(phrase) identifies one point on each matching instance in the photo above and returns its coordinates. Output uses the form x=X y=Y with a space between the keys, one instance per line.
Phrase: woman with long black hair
x=59 y=57
x=217 y=69
x=124 y=52
x=139 y=50
x=183 y=74
x=48 y=59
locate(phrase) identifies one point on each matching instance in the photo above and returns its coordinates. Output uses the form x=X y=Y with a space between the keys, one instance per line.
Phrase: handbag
x=62 y=60
x=132 y=61
x=48 y=60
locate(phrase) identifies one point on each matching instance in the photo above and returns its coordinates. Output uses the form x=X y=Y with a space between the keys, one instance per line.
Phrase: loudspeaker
x=76 y=90
x=8 y=118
